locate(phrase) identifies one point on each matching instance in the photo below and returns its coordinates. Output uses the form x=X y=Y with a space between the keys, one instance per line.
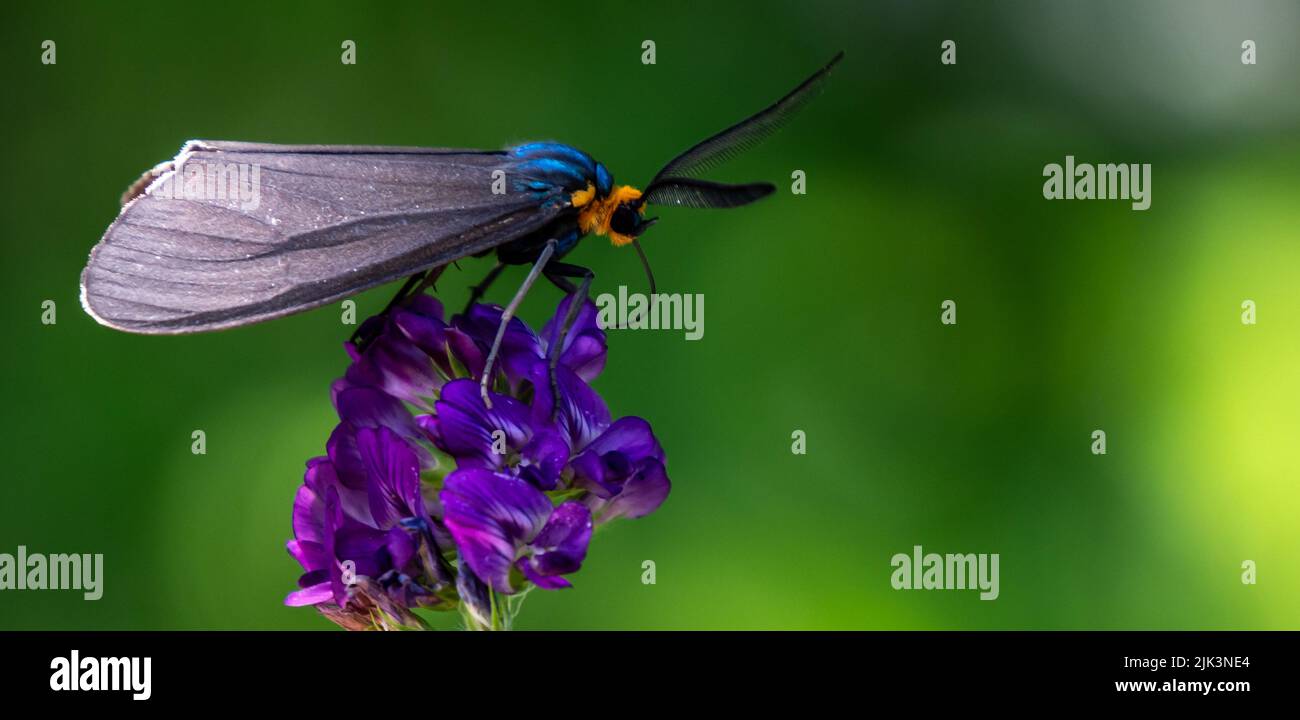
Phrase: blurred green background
x=822 y=310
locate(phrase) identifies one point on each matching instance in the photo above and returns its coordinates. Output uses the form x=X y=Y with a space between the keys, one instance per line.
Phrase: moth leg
x=476 y=292
x=401 y=295
x=558 y=273
x=564 y=285
x=509 y=313
x=430 y=278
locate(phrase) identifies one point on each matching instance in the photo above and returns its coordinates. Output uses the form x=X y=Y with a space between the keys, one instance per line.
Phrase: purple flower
x=501 y=523
x=502 y=438
x=620 y=464
x=623 y=470
x=366 y=541
x=429 y=499
x=584 y=350
x=410 y=353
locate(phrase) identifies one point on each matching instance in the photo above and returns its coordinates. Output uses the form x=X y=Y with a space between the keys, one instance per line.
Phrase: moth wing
x=228 y=234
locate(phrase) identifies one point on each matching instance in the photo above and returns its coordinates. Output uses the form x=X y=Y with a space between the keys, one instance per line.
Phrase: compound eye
x=624 y=221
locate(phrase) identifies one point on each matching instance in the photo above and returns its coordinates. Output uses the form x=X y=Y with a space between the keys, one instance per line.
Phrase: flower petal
x=464 y=427
x=308 y=507
x=584 y=348
x=491 y=517
x=310 y=555
x=392 y=474
x=545 y=582
x=612 y=458
x=520 y=347
x=542 y=460
x=398 y=367
x=364 y=547
x=631 y=436
x=367 y=407
x=312 y=595
x=641 y=495
x=474 y=596
x=561 y=546
x=582 y=416
x=421 y=323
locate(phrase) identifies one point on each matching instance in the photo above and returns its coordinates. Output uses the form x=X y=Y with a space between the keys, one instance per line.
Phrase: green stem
x=504 y=609
x=499 y=621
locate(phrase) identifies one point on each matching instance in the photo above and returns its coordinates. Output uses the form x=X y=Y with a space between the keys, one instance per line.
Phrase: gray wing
x=228 y=234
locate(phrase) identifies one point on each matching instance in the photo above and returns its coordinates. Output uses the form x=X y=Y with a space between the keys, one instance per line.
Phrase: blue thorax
x=557 y=170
